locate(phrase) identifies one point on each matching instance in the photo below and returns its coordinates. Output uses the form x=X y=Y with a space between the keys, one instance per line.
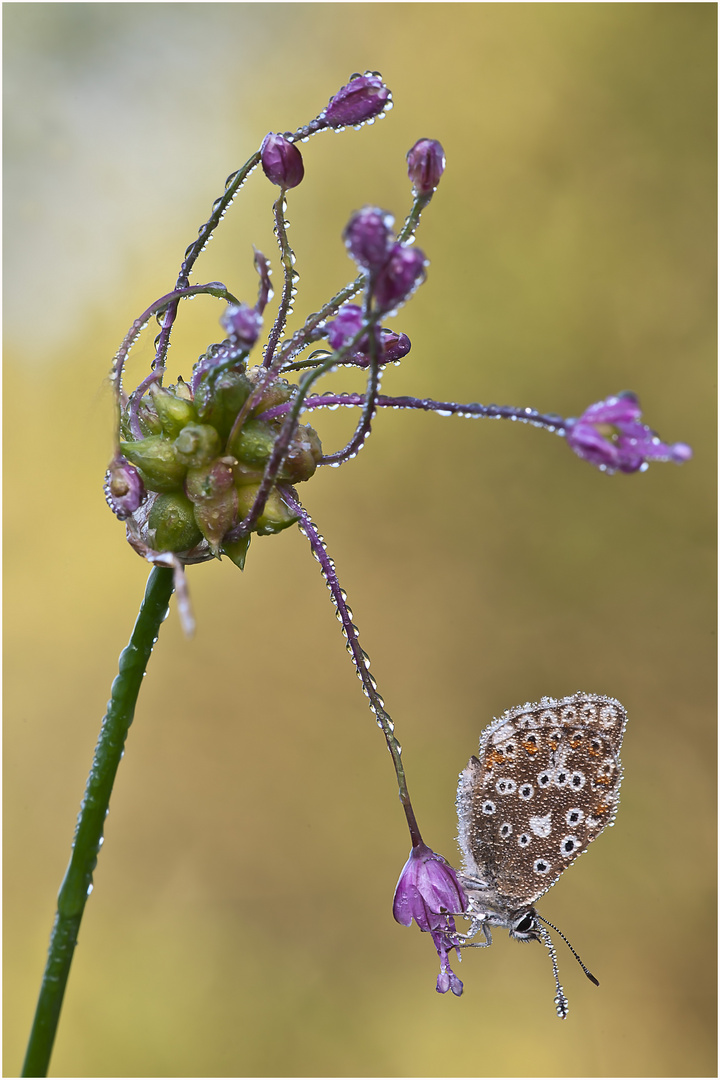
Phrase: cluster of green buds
x=202 y=457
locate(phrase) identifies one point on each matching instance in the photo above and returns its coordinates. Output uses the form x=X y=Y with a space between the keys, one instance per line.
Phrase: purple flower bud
x=242 y=325
x=609 y=435
x=399 y=277
x=345 y=325
x=361 y=99
x=281 y=161
x=124 y=490
x=426 y=164
x=369 y=237
x=393 y=346
x=343 y=328
x=427 y=891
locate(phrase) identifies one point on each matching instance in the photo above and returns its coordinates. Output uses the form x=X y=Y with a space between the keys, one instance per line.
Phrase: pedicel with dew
x=201 y=467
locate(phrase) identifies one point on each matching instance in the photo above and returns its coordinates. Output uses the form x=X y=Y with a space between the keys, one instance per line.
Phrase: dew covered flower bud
x=610 y=436
x=155 y=458
x=174 y=410
x=346 y=324
x=124 y=490
x=359 y=100
x=242 y=324
x=399 y=277
x=369 y=237
x=427 y=890
x=281 y=161
x=197 y=444
x=426 y=164
x=173 y=520
x=275 y=517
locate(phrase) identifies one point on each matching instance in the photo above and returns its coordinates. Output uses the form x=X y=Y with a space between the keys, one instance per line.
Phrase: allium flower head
x=427 y=891
x=609 y=434
x=363 y=98
x=426 y=164
x=281 y=161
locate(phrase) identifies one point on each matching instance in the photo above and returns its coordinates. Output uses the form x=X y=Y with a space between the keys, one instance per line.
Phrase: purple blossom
x=391 y=345
x=242 y=324
x=399 y=277
x=281 y=161
x=369 y=238
x=609 y=434
x=427 y=891
x=361 y=99
x=124 y=490
x=426 y=164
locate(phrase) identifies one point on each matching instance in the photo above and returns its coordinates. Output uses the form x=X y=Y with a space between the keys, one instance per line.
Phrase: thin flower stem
x=287 y=258
x=360 y=658
x=407 y=233
x=77 y=883
x=213 y=288
x=364 y=424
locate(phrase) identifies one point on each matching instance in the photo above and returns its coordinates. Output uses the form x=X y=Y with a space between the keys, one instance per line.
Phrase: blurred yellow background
x=241 y=921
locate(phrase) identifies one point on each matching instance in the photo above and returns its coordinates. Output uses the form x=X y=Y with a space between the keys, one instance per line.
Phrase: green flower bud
x=219 y=400
x=276 y=393
x=173 y=519
x=209 y=481
x=155 y=458
x=216 y=516
x=197 y=444
x=173 y=410
x=274 y=518
x=254 y=442
x=237 y=550
x=303 y=455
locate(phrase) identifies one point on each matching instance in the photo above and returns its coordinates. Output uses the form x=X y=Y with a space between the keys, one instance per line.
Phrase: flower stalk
x=77 y=883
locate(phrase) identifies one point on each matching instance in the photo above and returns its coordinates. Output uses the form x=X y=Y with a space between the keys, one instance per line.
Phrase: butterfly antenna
x=589 y=974
x=561 y=1002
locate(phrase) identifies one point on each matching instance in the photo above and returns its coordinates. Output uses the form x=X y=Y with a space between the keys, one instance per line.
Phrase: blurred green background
x=241 y=921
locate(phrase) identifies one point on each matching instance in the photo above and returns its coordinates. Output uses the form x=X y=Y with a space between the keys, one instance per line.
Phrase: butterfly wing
x=544 y=786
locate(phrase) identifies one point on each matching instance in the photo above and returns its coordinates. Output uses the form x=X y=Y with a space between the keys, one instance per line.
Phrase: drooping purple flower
x=610 y=436
x=369 y=237
x=124 y=490
x=426 y=164
x=281 y=161
x=399 y=277
x=242 y=325
x=427 y=891
x=359 y=100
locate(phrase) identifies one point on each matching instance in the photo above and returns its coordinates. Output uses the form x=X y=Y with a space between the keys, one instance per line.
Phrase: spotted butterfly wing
x=544 y=786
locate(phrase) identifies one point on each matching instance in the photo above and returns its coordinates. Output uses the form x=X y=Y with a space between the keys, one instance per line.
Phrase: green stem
x=77 y=883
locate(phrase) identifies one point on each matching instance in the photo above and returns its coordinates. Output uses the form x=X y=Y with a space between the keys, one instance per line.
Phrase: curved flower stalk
x=200 y=467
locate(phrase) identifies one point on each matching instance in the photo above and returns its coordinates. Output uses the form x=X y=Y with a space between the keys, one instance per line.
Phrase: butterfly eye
x=525 y=924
